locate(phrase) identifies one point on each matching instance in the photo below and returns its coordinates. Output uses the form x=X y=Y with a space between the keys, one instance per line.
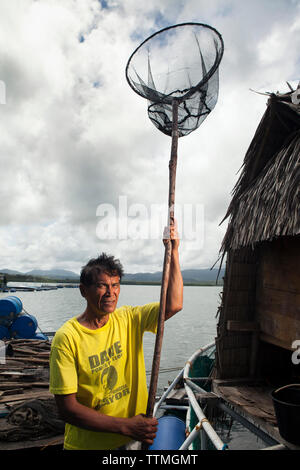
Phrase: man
x=97 y=370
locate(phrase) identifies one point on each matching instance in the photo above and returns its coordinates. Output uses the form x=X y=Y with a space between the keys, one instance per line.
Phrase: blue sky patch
x=103 y=3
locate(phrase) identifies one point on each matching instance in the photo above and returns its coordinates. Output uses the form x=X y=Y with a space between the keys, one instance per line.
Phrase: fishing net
x=176 y=70
x=178 y=63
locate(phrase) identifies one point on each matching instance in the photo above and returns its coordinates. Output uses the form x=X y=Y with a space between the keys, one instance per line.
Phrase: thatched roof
x=266 y=198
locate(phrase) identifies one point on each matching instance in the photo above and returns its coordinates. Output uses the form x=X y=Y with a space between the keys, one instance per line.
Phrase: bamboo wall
x=236 y=315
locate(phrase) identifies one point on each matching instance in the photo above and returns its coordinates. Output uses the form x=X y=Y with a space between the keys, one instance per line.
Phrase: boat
x=21 y=288
x=48 y=287
x=205 y=403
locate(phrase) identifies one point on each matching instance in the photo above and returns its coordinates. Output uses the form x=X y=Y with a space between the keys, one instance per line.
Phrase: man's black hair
x=103 y=264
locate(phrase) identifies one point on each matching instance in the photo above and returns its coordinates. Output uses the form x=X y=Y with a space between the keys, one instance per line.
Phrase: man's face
x=102 y=296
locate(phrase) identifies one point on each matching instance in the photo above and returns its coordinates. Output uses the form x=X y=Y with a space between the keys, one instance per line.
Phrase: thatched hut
x=259 y=317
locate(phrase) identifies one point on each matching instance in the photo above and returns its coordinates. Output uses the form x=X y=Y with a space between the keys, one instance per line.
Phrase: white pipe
x=166 y=393
x=190 y=439
x=194 y=386
x=276 y=447
x=203 y=421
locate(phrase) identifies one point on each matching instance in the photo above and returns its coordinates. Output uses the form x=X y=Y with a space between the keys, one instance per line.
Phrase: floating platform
x=28 y=413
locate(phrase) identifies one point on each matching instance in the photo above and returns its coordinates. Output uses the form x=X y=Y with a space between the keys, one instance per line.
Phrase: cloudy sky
x=83 y=169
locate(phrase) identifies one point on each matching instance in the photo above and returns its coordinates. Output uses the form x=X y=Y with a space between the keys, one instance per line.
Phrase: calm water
x=187 y=331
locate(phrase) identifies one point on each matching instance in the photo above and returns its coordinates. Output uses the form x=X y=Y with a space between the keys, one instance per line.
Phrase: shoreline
x=75 y=281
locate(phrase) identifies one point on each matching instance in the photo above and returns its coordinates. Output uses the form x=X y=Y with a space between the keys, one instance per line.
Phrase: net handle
x=166 y=269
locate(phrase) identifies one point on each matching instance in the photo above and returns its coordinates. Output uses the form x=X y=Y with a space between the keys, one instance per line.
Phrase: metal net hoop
x=179 y=63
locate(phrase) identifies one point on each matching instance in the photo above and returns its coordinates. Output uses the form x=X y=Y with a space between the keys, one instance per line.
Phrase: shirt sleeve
x=149 y=317
x=63 y=373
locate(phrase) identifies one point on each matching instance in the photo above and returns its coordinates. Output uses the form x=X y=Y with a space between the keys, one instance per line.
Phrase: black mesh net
x=179 y=62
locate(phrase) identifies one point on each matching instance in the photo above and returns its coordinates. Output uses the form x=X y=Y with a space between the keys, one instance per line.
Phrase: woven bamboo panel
x=238 y=304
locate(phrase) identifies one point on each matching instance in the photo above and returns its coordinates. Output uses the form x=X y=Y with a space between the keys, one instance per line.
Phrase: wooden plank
x=206 y=396
x=279 y=330
x=8 y=385
x=11 y=391
x=31 y=352
x=237 y=325
x=10 y=366
x=27 y=396
x=16 y=375
x=177 y=397
x=30 y=360
x=38 y=443
x=233 y=382
x=278 y=292
x=40 y=384
x=282 y=302
x=277 y=342
x=255 y=401
x=280 y=265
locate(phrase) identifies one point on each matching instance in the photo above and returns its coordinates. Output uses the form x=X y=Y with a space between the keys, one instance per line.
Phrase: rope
x=161 y=371
x=38 y=327
x=203 y=420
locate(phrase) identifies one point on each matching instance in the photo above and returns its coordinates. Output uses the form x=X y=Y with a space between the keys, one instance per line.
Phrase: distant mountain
x=53 y=273
x=188 y=275
x=140 y=277
x=9 y=271
x=198 y=275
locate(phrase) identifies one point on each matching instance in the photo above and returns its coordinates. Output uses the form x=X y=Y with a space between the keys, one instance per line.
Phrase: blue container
x=10 y=308
x=170 y=433
x=40 y=336
x=4 y=332
x=24 y=327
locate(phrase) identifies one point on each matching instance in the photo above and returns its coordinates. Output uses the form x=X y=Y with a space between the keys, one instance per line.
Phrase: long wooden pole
x=166 y=265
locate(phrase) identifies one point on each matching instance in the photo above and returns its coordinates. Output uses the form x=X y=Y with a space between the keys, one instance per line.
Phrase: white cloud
x=74 y=135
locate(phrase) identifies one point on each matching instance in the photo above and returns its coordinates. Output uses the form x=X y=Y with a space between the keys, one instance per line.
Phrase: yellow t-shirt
x=105 y=368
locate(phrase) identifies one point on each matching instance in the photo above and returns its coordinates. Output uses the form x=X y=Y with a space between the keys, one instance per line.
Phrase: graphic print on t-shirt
x=102 y=364
x=102 y=360
x=109 y=378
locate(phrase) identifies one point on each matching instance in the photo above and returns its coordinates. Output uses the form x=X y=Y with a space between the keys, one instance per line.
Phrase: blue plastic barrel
x=40 y=336
x=10 y=308
x=4 y=332
x=170 y=433
x=24 y=327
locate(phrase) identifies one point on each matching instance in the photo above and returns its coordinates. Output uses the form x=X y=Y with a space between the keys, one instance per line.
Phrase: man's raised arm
x=175 y=287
